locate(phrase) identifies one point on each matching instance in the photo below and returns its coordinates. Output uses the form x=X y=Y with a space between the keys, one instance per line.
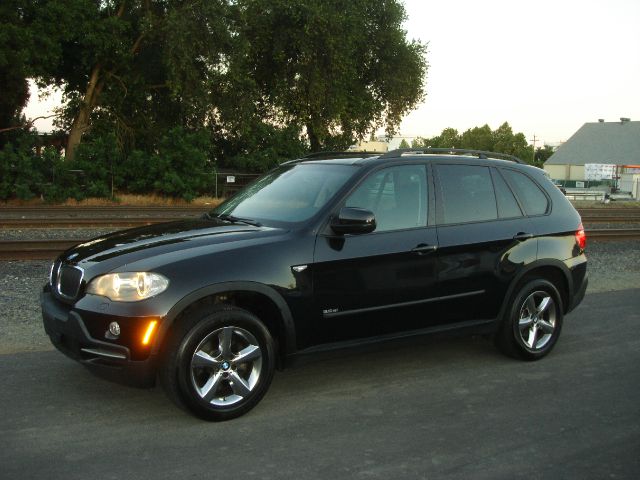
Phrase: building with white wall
x=601 y=143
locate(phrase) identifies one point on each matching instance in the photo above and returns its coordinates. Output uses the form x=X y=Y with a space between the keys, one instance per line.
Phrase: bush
x=177 y=168
x=261 y=148
x=22 y=172
x=176 y=163
x=95 y=163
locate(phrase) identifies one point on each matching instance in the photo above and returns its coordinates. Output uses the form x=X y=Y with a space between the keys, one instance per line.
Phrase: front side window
x=397 y=196
x=466 y=194
x=291 y=193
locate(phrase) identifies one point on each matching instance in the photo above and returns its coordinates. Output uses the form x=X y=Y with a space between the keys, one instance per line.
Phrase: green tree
x=505 y=141
x=122 y=60
x=15 y=41
x=500 y=140
x=478 y=138
x=404 y=143
x=542 y=155
x=449 y=138
x=338 y=68
x=420 y=142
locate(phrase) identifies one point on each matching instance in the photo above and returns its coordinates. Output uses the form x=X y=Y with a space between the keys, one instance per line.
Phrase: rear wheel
x=220 y=362
x=532 y=322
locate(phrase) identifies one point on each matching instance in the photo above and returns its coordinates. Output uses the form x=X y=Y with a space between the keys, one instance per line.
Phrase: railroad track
x=94 y=216
x=44 y=210
x=610 y=215
x=49 y=249
x=34 y=249
x=121 y=217
x=95 y=222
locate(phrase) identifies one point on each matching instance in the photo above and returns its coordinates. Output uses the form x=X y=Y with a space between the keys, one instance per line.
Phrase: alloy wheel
x=537 y=320
x=226 y=366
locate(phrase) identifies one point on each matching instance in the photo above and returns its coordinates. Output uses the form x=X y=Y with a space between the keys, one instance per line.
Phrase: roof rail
x=451 y=151
x=341 y=154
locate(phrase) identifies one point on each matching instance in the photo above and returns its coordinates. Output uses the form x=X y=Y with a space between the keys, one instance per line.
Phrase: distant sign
x=579 y=184
x=599 y=171
x=231 y=179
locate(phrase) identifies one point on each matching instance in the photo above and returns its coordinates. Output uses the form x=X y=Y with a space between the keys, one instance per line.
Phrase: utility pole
x=533 y=154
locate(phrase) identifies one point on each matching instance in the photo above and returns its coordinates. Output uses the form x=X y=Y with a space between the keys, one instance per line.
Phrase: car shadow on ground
x=57 y=384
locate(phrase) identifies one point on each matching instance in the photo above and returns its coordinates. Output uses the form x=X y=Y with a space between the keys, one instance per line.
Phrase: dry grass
x=126 y=200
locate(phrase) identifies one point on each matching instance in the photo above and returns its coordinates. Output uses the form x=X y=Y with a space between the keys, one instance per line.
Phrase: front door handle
x=521 y=236
x=424 y=249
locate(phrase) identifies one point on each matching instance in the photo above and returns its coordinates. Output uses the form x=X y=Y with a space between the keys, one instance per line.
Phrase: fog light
x=114 y=329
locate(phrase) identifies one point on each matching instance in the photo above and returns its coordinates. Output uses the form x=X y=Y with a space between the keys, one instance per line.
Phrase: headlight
x=128 y=286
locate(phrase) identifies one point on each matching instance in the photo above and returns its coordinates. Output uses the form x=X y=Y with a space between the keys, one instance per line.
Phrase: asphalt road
x=450 y=408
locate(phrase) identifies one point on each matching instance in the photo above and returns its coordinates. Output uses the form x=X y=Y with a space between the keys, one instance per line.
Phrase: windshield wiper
x=233 y=219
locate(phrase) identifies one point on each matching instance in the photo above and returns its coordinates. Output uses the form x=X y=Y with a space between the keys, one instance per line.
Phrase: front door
x=365 y=284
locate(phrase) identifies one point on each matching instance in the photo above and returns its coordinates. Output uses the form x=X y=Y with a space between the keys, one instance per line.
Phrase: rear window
x=533 y=200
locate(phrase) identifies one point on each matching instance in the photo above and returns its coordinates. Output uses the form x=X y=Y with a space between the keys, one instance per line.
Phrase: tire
x=532 y=322
x=219 y=362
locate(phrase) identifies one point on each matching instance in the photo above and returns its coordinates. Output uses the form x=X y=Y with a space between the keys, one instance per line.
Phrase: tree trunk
x=314 y=141
x=91 y=98
x=81 y=121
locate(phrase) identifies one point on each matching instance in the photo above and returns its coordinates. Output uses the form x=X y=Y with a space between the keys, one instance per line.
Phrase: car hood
x=129 y=246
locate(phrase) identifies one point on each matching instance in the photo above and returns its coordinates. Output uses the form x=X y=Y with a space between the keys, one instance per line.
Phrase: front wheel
x=220 y=363
x=532 y=321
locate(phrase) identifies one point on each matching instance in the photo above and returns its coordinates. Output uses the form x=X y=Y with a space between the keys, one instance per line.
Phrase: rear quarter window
x=531 y=196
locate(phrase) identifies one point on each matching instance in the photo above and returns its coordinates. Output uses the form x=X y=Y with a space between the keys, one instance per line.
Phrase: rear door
x=484 y=239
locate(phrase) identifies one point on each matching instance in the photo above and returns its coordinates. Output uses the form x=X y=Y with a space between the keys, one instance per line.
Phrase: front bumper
x=70 y=334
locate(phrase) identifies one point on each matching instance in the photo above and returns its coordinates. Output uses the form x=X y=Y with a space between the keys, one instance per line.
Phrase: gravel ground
x=53 y=233
x=612 y=266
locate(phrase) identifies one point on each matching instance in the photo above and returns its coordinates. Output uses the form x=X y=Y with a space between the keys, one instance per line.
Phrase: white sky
x=546 y=67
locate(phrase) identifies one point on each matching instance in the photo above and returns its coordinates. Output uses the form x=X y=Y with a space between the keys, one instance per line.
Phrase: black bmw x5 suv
x=323 y=252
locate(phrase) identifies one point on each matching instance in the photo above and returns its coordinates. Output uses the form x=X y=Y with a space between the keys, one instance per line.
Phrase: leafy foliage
x=500 y=140
x=160 y=93
x=340 y=68
x=22 y=173
x=179 y=167
x=14 y=42
x=542 y=155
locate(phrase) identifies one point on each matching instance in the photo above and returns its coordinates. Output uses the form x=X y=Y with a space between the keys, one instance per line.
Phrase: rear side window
x=467 y=194
x=507 y=204
x=533 y=200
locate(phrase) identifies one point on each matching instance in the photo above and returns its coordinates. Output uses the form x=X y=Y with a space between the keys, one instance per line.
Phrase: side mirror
x=354 y=220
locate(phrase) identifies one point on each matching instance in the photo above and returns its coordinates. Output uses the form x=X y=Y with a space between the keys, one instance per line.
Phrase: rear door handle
x=424 y=249
x=521 y=236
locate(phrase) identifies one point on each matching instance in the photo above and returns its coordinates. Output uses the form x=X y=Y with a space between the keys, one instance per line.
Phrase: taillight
x=581 y=238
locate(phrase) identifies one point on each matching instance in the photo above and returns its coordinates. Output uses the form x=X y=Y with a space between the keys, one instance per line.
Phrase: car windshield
x=290 y=193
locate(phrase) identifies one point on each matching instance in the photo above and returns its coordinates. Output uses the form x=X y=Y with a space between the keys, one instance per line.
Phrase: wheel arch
x=554 y=271
x=260 y=299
